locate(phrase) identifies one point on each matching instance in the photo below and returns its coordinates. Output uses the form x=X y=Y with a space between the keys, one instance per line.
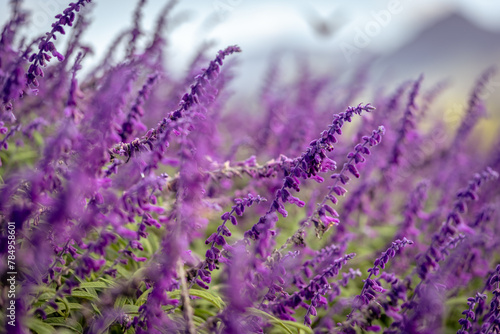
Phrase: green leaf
x=82 y=294
x=460 y=300
x=95 y=285
x=111 y=283
x=46 y=295
x=38 y=138
x=120 y=301
x=23 y=156
x=123 y=272
x=39 y=327
x=75 y=326
x=142 y=299
x=67 y=308
x=208 y=296
x=91 y=291
x=203 y=313
x=130 y=308
x=147 y=246
x=62 y=307
x=42 y=288
x=298 y=325
x=272 y=319
x=139 y=274
x=198 y=321
x=96 y=309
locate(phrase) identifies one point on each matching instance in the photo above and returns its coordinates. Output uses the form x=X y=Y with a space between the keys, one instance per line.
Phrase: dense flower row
x=120 y=182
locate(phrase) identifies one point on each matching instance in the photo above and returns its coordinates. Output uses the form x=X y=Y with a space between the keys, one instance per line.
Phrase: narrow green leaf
x=39 y=327
x=139 y=274
x=298 y=325
x=460 y=300
x=147 y=246
x=130 y=308
x=208 y=296
x=75 y=326
x=62 y=307
x=198 y=321
x=67 y=308
x=203 y=313
x=142 y=298
x=46 y=295
x=96 y=309
x=111 y=283
x=123 y=272
x=39 y=139
x=83 y=294
x=95 y=285
x=120 y=301
x=91 y=291
x=42 y=288
x=23 y=156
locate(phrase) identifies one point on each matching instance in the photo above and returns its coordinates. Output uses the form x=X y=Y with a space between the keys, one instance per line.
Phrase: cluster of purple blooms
x=121 y=181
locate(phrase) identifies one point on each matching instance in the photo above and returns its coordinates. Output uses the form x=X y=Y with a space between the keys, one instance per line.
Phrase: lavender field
x=137 y=201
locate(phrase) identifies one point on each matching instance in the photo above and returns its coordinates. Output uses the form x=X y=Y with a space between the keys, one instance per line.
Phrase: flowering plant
x=131 y=203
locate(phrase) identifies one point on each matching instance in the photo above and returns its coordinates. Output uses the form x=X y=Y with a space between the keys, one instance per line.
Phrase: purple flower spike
x=309 y=164
x=428 y=260
x=45 y=46
x=372 y=287
x=213 y=254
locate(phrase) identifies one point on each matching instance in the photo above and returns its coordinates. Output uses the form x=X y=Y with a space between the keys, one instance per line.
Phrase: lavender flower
x=319 y=285
x=136 y=30
x=491 y=320
x=469 y=315
x=407 y=123
x=213 y=254
x=412 y=210
x=324 y=217
x=372 y=287
x=314 y=292
x=474 y=109
x=453 y=223
x=313 y=161
x=42 y=57
x=132 y=122
x=198 y=91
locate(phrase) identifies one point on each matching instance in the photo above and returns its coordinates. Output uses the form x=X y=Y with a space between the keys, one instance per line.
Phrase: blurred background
x=453 y=40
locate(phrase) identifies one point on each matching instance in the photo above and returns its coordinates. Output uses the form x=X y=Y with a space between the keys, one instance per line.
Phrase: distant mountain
x=451 y=47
